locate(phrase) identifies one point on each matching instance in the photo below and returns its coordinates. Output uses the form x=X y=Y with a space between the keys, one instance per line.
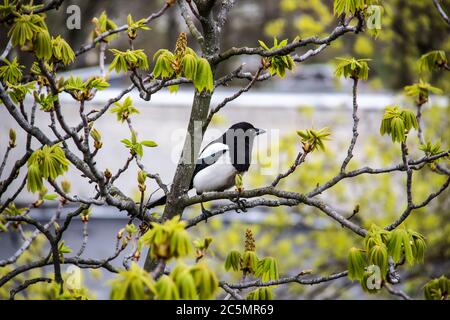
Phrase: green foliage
x=62 y=51
x=102 y=25
x=432 y=60
x=12 y=210
x=431 y=149
x=378 y=255
x=63 y=249
x=133 y=284
x=233 y=260
x=314 y=139
x=185 y=283
x=128 y=60
x=277 y=64
x=249 y=262
x=11 y=72
x=201 y=247
x=168 y=240
x=205 y=280
x=356 y=264
x=46 y=101
x=163 y=65
x=19 y=91
x=437 y=289
x=186 y=64
x=376 y=236
x=49 y=162
x=264 y=293
x=349 y=6
x=420 y=91
x=267 y=269
x=407 y=243
x=134 y=26
x=82 y=91
x=125 y=109
x=43 y=46
x=24 y=28
x=397 y=123
x=352 y=68
x=137 y=147
x=166 y=289
x=203 y=77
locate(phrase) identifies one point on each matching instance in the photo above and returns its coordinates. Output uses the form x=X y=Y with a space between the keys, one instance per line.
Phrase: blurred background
x=301 y=237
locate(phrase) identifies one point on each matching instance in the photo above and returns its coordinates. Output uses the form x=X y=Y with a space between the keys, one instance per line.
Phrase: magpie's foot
x=206 y=214
x=241 y=203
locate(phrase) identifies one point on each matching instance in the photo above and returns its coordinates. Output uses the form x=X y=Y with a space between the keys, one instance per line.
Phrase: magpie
x=221 y=160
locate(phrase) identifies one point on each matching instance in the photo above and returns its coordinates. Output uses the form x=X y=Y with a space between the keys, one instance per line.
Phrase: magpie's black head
x=248 y=128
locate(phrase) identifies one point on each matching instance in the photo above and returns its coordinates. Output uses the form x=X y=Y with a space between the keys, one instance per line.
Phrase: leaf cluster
x=314 y=139
x=49 y=162
x=397 y=123
x=168 y=240
x=277 y=65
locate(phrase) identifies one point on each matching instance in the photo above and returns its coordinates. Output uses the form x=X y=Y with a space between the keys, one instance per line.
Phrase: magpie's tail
x=161 y=201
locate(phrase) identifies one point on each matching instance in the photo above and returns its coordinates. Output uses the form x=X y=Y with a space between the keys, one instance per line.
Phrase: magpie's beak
x=260 y=131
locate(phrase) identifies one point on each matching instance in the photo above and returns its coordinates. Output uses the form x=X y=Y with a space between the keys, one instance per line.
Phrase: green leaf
x=189 y=63
x=43 y=45
x=25 y=27
x=400 y=243
x=62 y=50
x=249 y=262
x=166 y=289
x=349 y=6
x=378 y=255
x=356 y=264
x=267 y=269
x=49 y=162
x=50 y=197
x=149 y=143
x=432 y=60
x=125 y=109
x=204 y=77
x=133 y=284
x=205 y=280
x=233 y=260
x=128 y=60
x=260 y=294
x=11 y=72
x=352 y=68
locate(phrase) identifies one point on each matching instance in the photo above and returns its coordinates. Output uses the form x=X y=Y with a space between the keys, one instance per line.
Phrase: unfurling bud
x=85 y=215
x=107 y=174
x=307 y=147
x=136 y=255
x=142 y=176
x=66 y=186
x=265 y=63
x=120 y=233
x=12 y=138
x=356 y=209
x=170 y=2
x=131 y=228
x=96 y=135
x=38 y=203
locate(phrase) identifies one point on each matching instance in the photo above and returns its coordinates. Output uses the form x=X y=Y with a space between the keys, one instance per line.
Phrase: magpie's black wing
x=205 y=162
